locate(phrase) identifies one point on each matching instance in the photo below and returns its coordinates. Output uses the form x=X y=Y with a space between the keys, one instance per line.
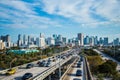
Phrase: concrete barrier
x=47 y=72
x=89 y=74
x=69 y=68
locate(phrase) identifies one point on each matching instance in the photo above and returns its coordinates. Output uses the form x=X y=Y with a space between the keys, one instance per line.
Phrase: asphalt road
x=35 y=71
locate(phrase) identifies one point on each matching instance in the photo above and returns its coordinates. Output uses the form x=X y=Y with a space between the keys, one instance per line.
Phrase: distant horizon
x=66 y=17
x=15 y=37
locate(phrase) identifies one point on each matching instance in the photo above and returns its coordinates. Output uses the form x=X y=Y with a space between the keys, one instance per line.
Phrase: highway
x=106 y=57
x=35 y=70
x=71 y=74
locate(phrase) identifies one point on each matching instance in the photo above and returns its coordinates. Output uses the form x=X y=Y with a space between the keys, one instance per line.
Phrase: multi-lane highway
x=71 y=73
x=35 y=70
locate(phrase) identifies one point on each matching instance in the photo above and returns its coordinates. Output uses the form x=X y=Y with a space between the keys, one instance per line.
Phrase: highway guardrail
x=45 y=73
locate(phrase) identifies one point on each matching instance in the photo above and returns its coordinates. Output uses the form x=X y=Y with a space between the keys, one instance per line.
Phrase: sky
x=66 y=17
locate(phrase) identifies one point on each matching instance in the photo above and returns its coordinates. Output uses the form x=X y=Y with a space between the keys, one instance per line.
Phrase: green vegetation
x=5 y=59
x=101 y=68
x=110 y=52
x=90 y=52
x=108 y=68
x=94 y=62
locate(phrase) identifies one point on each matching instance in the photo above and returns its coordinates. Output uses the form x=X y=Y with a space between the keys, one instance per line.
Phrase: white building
x=2 y=45
x=81 y=38
x=40 y=42
x=50 y=41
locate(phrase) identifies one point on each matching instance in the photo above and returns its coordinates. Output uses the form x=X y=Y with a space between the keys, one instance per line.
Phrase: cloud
x=84 y=13
x=20 y=14
x=81 y=10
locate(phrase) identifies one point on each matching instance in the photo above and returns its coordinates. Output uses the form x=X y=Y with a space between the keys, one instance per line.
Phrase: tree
x=113 y=64
x=94 y=62
x=105 y=68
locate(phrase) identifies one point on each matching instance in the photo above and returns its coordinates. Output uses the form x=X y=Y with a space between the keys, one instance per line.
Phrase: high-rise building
x=50 y=41
x=100 y=41
x=60 y=38
x=2 y=45
x=6 y=39
x=29 y=40
x=116 y=42
x=20 y=40
x=64 y=40
x=92 y=41
x=105 y=42
x=87 y=40
x=96 y=40
x=25 y=40
x=40 y=42
x=41 y=35
x=81 y=38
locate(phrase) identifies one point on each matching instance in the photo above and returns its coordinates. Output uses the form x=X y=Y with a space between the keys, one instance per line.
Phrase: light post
x=59 y=65
x=114 y=49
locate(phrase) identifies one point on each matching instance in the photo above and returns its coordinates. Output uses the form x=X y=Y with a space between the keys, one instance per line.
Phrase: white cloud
x=23 y=17
x=22 y=14
x=79 y=10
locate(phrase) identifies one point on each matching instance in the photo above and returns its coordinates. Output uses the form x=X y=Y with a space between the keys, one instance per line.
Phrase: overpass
x=39 y=73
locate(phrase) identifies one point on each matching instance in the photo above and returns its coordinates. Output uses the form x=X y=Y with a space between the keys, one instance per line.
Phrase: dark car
x=78 y=63
x=42 y=64
x=78 y=66
x=29 y=66
x=47 y=65
x=27 y=76
x=76 y=79
x=78 y=73
x=81 y=59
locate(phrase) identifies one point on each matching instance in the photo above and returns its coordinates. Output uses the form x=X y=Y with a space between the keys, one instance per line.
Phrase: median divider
x=69 y=68
x=89 y=74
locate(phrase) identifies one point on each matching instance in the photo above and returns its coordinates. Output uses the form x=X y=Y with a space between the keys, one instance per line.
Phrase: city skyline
x=93 y=18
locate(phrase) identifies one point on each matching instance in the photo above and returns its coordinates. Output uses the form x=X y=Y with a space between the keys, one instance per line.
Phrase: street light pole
x=59 y=65
x=114 y=49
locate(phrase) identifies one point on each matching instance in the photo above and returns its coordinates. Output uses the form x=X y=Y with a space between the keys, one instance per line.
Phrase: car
x=76 y=79
x=39 y=62
x=81 y=58
x=27 y=76
x=79 y=63
x=29 y=66
x=49 y=60
x=47 y=65
x=42 y=64
x=11 y=71
x=78 y=73
x=78 y=66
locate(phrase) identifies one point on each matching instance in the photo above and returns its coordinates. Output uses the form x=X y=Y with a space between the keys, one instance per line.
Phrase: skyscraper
x=81 y=38
x=40 y=42
x=96 y=40
x=105 y=42
x=6 y=38
x=92 y=41
x=64 y=40
x=1 y=45
x=25 y=40
x=87 y=40
x=50 y=41
x=116 y=42
x=60 y=38
x=100 y=41
x=20 y=41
